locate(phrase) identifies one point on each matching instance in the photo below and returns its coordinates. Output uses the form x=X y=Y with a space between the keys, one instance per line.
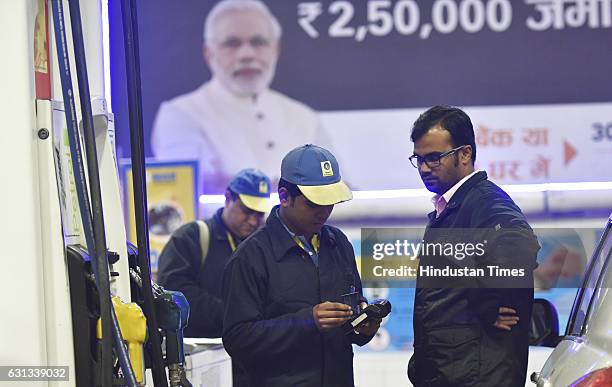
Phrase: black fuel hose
x=132 y=61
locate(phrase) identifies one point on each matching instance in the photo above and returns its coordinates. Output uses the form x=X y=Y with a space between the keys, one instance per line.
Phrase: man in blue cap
x=193 y=259
x=285 y=289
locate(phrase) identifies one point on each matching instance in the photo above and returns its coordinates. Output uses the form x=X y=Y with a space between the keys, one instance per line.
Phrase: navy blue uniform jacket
x=180 y=268
x=270 y=287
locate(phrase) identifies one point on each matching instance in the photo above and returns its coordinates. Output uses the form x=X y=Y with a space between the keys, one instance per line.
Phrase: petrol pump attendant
x=283 y=288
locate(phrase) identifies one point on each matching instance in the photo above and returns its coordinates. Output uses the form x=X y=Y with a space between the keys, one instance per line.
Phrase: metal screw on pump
x=43 y=133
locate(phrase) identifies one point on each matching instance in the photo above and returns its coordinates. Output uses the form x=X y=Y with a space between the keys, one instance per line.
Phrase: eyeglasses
x=432 y=160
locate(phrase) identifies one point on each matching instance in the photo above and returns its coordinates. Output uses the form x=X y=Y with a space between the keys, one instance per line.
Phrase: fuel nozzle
x=133 y=325
x=172 y=310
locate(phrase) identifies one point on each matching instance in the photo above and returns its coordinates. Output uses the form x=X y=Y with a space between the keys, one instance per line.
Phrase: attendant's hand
x=330 y=315
x=506 y=319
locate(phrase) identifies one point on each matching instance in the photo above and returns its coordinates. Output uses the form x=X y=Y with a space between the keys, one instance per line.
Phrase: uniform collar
x=220 y=232
x=282 y=238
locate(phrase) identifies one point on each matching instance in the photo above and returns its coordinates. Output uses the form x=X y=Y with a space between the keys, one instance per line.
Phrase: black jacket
x=180 y=269
x=270 y=288
x=455 y=342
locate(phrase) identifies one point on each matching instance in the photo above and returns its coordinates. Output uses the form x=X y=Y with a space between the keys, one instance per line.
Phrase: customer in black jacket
x=285 y=288
x=469 y=331
x=193 y=260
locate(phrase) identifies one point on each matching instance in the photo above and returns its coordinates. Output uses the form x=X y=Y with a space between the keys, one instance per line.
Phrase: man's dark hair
x=294 y=190
x=450 y=118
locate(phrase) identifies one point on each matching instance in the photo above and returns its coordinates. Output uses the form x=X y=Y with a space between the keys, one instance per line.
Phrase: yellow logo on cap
x=326 y=168
x=263 y=187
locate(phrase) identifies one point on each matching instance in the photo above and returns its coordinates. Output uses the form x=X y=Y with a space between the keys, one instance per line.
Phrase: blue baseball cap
x=253 y=188
x=316 y=173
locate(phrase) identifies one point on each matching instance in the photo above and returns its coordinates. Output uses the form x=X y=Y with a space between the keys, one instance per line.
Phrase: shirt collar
x=291 y=233
x=276 y=209
x=451 y=191
x=283 y=237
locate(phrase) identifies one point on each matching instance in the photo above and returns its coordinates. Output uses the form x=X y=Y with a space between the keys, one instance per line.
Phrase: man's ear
x=283 y=197
x=228 y=197
x=466 y=154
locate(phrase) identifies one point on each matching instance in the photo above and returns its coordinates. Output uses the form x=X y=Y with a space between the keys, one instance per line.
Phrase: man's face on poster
x=243 y=51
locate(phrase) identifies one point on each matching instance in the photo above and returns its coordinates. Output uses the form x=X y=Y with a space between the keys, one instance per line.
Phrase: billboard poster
x=354 y=75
